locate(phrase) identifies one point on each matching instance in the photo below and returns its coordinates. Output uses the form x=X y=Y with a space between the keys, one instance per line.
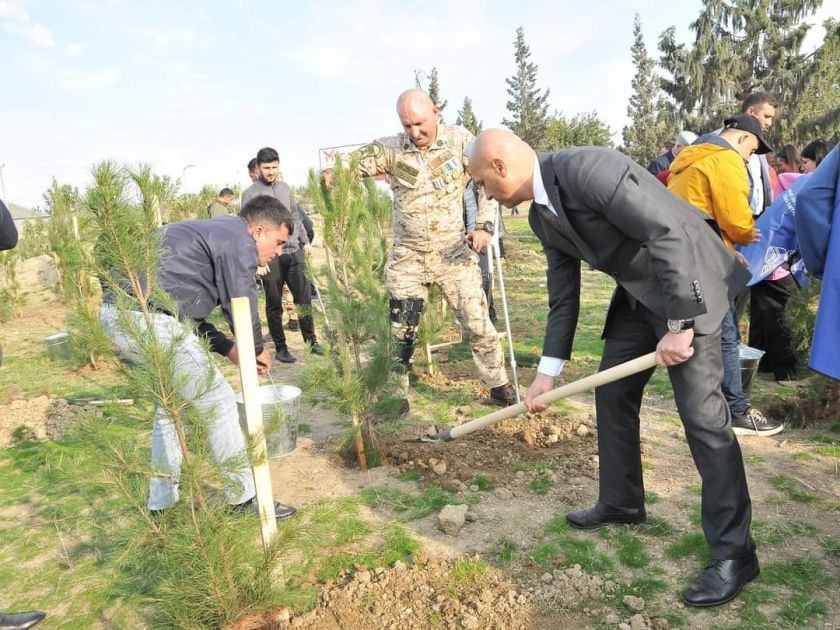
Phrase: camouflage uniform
x=429 y=244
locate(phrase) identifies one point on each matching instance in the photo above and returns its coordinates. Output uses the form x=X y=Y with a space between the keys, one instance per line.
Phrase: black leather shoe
x=284 y=356
x=292 y=324
x=503 y=395
x=281 y=512
x=721 y=581
x=602 y=515
x=21 y=621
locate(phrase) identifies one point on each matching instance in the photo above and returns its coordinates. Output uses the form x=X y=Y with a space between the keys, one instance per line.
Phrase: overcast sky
x=196 y=88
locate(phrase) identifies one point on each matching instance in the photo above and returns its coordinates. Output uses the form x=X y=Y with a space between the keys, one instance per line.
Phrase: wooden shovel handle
x=581 y=385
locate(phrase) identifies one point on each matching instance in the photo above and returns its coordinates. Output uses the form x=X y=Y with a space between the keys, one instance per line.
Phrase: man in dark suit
x=675 y=279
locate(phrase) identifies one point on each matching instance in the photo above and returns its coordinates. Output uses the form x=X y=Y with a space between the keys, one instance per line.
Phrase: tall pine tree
x=434 y=91
x=466 y=117
x=740 y=46
x=528 y=104
x=642 y=136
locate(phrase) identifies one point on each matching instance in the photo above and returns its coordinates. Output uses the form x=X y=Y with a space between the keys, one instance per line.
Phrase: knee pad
x=406 y=312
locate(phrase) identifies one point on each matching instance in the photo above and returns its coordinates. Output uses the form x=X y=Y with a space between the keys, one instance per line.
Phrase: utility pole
x=3 y=183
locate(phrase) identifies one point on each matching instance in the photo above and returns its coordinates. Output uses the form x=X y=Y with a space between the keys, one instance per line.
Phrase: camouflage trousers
x=455 y=271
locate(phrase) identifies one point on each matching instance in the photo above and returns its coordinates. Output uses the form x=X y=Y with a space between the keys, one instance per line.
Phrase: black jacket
x=611 y=213
x=8 y=231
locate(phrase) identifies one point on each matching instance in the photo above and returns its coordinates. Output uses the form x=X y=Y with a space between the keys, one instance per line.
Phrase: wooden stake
x=241 y=307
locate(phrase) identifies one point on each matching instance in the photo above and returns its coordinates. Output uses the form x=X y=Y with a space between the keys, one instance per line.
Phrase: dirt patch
x=562 y=446
x=39 y=418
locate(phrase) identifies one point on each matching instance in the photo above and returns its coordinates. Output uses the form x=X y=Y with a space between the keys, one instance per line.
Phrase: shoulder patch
x=372 y=150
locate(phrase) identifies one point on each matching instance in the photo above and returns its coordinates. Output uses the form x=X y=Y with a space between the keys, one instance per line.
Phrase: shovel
x=598 y=379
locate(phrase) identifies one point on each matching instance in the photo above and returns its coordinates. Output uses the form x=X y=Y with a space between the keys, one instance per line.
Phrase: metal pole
x=494 y=244
x=321 y=302
x=3 y=182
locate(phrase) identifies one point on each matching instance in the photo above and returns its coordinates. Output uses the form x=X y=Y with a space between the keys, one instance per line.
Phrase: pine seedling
x=357 y=373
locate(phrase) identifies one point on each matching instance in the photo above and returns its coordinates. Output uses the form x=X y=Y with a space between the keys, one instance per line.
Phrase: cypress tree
x=466 y=117
x=642 y=136
x=529 y=104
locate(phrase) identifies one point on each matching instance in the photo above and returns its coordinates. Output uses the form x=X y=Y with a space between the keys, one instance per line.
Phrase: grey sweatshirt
x=281 y=191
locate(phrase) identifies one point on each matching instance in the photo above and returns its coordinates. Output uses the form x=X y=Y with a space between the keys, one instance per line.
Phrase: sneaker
x=754 y=423
x=503 y=395
x=281 y=512
x=315 y=347
x=292 y=324
x=284 y=356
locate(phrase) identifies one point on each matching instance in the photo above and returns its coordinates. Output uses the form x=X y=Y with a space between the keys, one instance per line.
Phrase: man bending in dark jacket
x=675 y=281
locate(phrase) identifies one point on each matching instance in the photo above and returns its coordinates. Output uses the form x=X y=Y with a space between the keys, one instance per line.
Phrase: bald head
x=504 y=164
x=419 y=117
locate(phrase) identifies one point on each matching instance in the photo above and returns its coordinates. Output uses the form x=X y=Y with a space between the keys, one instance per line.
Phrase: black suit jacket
x=616 y=216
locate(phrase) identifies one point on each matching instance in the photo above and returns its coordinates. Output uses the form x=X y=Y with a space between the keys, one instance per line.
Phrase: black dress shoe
x=721 y=581
x=281 y=512
x=503 y=395
x=602 y=515
x=284 y=356
x=292 y=324
x=21 y=621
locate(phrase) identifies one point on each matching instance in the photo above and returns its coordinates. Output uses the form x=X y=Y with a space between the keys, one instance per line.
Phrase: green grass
x=835 y=426
x=545 y=554
x=780 y=531
x=753 y=459
x=304 y=429
x=828 y=451
x=37 y=375
x=631 y=548
x=801 y=609
x=409 y=507
x=469 y=569
x=831 y=546
x=482 y=482
x=692 y=544
x=825 y=439
x=676 y=422
x=805 y=574
x=410 y=475
x=558 y=525
x=793 y=489
x=541 y=485
x=651 y=497
x=655 y=526
x=506 y=552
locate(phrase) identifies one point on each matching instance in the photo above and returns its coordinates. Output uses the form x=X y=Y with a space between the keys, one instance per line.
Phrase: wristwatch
x=677 y=326
x=488 y=227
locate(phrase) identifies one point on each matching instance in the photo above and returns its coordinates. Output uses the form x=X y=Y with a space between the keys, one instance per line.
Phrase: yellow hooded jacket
x=713 y=178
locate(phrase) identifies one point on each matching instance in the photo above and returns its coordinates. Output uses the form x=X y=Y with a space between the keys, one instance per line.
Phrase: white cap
x=685 y=138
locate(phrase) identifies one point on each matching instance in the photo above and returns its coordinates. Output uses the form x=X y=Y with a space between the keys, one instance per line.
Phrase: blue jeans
x=733 y=390
x=200 y=382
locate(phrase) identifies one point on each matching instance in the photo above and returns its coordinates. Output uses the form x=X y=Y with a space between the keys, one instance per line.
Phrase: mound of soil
x=505 y=452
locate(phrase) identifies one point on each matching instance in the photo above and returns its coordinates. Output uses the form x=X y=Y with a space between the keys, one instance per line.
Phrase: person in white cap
x=663 y=162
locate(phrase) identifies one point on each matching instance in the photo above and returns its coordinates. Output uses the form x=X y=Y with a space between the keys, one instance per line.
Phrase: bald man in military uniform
x=427 y=166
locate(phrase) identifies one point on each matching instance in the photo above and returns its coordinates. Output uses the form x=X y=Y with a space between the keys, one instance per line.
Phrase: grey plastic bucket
x=748 y=358
x=58 y=346
x=280 y=416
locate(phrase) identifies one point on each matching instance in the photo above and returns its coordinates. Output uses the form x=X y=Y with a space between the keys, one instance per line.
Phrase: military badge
x=405 y=172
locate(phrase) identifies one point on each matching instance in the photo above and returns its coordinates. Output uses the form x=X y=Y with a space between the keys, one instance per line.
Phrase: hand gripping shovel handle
x=610 y=375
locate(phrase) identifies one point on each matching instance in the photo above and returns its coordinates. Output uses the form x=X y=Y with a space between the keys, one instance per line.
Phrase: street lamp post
x=184 y=173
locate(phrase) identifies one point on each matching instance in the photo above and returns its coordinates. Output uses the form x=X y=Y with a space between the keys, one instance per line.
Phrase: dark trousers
x=288 y=269
x=725 y=504
x=768 y=330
